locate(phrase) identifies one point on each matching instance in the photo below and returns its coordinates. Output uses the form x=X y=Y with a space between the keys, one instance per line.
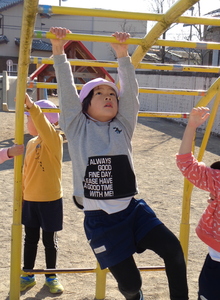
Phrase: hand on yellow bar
x=121 y=49
x=58 y=43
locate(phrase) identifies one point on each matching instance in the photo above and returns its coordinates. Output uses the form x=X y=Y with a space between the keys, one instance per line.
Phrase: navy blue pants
x=209 y=284
x=163 y=242
x=49 y=217
x=114 y=238
x=32 y=236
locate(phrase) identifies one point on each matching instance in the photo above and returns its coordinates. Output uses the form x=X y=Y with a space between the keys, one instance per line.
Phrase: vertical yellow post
x=214 y=88
x=170 y=17
x=28 y=22
x=100 y=283
x=184 y=225
x=209 y=126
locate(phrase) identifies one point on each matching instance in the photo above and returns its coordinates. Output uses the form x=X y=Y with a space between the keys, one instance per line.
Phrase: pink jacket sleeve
x=4 y=155
x=198 y=173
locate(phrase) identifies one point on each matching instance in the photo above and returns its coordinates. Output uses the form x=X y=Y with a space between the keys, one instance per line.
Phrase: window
x=12 y=69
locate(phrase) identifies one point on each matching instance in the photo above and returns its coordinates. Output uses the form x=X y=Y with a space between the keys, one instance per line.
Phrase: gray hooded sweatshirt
x=101 y=152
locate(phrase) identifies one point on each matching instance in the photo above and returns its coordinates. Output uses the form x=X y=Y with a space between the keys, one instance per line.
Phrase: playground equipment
x=163 y=22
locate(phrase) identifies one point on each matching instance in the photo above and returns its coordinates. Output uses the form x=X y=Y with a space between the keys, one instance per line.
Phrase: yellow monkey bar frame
x=129 y=15
x=144 y=66
x=173 y=15
x=41 y=85
x=130 y=41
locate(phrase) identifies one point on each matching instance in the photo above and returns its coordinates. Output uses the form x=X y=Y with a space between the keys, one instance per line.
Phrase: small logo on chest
x=117 y=130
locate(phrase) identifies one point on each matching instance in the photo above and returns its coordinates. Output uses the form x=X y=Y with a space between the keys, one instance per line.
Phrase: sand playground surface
x=155 y=144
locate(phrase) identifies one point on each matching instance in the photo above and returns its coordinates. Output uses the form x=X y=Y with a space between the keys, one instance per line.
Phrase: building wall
x=12 y=19
x=102 y=51
x=155 y=102
x=77 y=24
x=175 y=103
x=211 y=34
x=96 y=26
x=107 y=27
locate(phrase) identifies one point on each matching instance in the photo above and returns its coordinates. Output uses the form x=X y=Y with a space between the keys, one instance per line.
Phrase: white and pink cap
x=52 y=117
x=87 y=87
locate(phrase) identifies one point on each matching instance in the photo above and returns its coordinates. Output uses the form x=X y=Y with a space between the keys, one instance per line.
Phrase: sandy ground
x=160 y=183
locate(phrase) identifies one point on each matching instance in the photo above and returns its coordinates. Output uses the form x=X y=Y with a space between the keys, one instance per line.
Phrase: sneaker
x=141 y=295
x=26 y=282
x=54 y=285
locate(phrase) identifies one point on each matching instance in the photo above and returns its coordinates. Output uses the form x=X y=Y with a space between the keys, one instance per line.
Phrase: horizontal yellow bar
x=130 y=41
x=87 y=38
x=123 y=15
x=152 y=268
x=51 y=271
x=163 y=114
x=192 y=45
x=140 y=114
x=98 y=13
x=50 y=110
x=75 y=62
x=145 y=66
x=84 y=270
x=172 y=92
x=41 y=85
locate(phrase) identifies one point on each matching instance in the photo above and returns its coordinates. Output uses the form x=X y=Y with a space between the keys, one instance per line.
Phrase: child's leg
x=163 y=242
x=32 y=236
x=209 y=286
x=128 y=277
x=51 y=247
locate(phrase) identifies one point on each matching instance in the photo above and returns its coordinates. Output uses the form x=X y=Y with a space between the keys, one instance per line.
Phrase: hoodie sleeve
x=70 y=106
x=128 y=99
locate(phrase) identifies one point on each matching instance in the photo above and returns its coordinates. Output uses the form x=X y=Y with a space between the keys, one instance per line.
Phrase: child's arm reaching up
x=29 y=103
x=58 y=43
x=197 y=117
x=196 y=172
x=121 y=50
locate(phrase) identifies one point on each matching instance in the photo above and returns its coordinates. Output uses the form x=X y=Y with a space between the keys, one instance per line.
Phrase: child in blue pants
x=99 y=124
